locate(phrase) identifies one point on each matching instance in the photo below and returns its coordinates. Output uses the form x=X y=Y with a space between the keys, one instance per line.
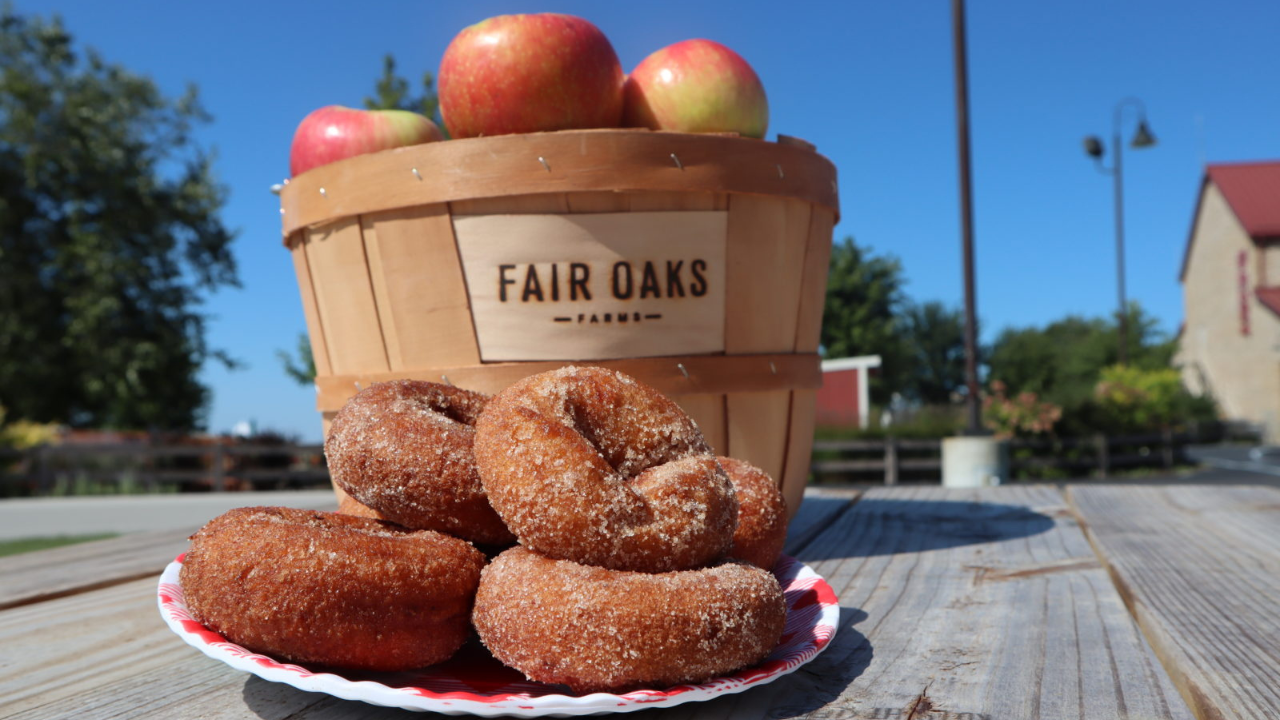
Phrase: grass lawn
x=22 y=545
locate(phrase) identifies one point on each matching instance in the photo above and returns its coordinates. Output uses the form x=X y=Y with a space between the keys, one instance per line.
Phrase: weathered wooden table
x=1004 y=604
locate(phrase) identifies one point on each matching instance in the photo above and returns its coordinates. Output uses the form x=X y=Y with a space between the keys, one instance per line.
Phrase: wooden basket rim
x=556 y=162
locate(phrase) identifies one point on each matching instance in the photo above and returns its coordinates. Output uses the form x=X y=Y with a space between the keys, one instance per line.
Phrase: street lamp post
x=1142 y=138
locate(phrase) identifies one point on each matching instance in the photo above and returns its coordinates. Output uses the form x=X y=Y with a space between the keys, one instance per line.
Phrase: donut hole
x=459 y=413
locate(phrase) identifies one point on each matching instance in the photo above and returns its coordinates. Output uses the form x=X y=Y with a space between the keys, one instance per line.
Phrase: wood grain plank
x=562 y=162
x=597 y=202
x=799 y=454
x=986 y=604
x=767 y=238
x=512 y=205
x=344 y=296
x=38 y=576
x=310 y=310
x=647 y=201
x=757 y=429
x=1199 y=567
x=74 y=646
x=813 y=285
x=426 y=324
x=985 y=601
x=821 y=507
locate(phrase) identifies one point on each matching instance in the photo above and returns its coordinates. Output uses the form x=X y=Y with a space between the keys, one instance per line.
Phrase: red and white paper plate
x=474 y=683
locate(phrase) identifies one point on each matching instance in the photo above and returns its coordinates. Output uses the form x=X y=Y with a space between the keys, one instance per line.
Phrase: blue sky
x=869 y=83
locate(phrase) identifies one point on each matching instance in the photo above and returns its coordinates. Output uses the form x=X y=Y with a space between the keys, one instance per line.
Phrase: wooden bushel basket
x=696 y=263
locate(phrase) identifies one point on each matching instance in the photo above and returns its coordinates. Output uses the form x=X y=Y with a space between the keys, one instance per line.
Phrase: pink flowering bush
x=1024 y=414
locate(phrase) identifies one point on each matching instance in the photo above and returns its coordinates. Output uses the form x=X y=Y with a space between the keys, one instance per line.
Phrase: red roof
x=1269 y=296
x=1253 y=192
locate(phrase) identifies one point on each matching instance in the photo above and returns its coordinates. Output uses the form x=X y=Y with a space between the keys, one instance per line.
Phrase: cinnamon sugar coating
x=762 y=514
x=331 y=589
x=589 y=465
x=350 y=506
x=403 y=448
x=600 y=630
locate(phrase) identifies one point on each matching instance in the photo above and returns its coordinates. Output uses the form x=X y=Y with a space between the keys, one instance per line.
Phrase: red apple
x=696 y=86
x=529 y=73
x=333 y=133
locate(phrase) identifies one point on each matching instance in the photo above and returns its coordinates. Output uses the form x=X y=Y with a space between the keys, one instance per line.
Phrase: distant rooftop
x=1253 y=191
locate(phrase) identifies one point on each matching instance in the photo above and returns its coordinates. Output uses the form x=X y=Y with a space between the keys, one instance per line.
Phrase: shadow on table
x=821 y=682
x=811 y=687
x=272 y=701
x=876 y=526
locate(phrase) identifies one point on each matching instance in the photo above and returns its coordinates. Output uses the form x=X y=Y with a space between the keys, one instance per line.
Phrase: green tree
x=1063 y=361
x=392 y=92
x=862 y=314
x=303 y=369
x=1132 y=399
x=109 y=238
x=934 y=337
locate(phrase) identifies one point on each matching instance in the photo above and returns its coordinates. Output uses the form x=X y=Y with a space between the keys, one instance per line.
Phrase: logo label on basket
x=595 y=286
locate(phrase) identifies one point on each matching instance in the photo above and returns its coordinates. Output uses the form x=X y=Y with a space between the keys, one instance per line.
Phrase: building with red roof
x=1229 y=345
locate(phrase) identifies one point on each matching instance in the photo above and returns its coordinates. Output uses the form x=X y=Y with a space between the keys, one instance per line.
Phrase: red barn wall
x=838 y=398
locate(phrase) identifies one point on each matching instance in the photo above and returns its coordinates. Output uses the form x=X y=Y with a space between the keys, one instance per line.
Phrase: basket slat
x=348 y=310
x=757 y=430
x=804 y=406
x=400 y=244
x=766 y=244
x=512 y=205
x=310 y=310
x=571 y=161
x=813 y=285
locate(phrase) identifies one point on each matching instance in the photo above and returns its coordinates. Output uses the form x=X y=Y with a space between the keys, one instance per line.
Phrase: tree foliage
x=921 y=346
x=109 y=238
x=1064 y=361
x=392 y=92
x=301 y=370
x=934 y=335
x=862 y=313
x=1130 y=398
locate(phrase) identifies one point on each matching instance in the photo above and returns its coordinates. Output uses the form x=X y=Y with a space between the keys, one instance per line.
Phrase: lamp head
x=1093 y=147
x=1142 y=137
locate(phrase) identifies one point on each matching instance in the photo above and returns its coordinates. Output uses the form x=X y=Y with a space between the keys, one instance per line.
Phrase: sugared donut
x=350 y=506
x=762 y=514
x=331 y=589
x=589 y=465
x=403 y=448
x=595 y=629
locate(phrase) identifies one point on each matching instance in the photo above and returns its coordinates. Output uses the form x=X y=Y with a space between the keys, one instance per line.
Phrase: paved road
x=1262 y=459
x=87 y=515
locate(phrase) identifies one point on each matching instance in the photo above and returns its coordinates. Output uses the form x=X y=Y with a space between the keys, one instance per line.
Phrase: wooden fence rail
x=1079 y=456
x=218 y=466
x=226 y=466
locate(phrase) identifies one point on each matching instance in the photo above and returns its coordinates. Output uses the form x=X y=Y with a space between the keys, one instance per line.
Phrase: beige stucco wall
x=1271 y=263
x=1242 y=372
